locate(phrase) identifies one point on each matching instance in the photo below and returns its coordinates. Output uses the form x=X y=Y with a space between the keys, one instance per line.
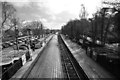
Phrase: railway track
x=71 y=68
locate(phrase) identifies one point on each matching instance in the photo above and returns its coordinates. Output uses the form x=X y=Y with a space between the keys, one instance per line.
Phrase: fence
x=12 y=70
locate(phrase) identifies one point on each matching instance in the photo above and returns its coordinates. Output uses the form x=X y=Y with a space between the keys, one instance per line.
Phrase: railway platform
x=46 y=63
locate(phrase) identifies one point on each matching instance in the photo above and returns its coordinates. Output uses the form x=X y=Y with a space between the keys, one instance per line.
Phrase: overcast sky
x=53 y=13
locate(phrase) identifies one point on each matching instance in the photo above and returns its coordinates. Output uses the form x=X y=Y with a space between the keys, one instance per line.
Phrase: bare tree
x=36 y=27
x=8 y=11
x=113 y=3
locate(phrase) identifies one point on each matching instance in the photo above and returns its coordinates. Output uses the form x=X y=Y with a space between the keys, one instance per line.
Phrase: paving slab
x=26 y=67
x=49 y=63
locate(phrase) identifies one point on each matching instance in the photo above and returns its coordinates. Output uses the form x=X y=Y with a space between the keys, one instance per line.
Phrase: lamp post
x=16 y=38
x=16 y=32
x=29 y=42
x=92 y=30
